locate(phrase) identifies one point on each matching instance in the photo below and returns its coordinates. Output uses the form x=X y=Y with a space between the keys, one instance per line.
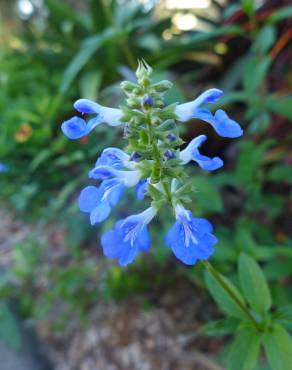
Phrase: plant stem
x=227 y=289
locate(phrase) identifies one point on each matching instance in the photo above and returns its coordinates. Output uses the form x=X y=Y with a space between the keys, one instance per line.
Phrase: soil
x=126 y=335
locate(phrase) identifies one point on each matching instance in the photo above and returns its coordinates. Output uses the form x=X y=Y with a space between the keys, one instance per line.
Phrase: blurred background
x=63 y=306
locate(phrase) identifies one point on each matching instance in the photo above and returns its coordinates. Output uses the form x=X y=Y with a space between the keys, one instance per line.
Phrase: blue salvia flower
x=76 y=127
x=153 y=164
x=222 y=124
x=103 y=172
x=190 y=238
x=116 y=158
x=128 y=237
x=191 y=152
x=98 y=202
x=3 y=167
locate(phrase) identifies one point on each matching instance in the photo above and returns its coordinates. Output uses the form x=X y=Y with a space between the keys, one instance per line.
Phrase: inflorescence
x=152 y=163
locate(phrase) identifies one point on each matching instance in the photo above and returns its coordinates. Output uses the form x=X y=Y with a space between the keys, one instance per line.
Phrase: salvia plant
x=153 y=163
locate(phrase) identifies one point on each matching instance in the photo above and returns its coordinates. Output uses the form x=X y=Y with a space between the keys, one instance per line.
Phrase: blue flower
x=99 y=201
x=3 y=167
x=141 y=188
x=190 y=238
x=103 y=172
x=110 y=116
x=115 y=157
x=222 y=124
x=128 y=237
x=76 y=127
x=191 y=152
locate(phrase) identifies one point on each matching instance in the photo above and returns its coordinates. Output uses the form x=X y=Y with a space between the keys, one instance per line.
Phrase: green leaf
x=9 y=331
x=254 y=284
x=208 y=197
x=283 y=315
x=220 y=327
x=281 y=173
x=281 y=105
x=278 y=15
x=265 y=39
x=226 y=303
x=255 y=72
x=244 y=350
x=248 y=6
x=90 y=84
x=61 y=10
x=88 y=48
x=278 y=348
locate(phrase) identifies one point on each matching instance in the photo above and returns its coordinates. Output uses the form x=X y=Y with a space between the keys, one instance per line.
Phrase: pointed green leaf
x=254 y=284
x=9 y=331
x=278 y=348
x=88 y=48
x=226 y=303
x=244 y=350
x=220 y=327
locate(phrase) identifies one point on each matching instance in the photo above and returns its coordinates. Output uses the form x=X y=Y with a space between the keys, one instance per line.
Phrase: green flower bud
x=159 y=104
x=133 y=103
x=143 y=73
x=128 y=87
x=162 y=86
x=167 y=125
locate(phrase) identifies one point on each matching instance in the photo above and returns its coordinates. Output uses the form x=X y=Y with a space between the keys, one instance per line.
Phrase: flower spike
x=152 y=164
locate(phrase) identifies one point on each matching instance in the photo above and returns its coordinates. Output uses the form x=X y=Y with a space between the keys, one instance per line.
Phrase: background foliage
x=59 y=53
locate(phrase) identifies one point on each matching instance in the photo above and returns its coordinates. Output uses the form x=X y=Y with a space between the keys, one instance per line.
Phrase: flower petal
x=207 y=163
x=111 y=191
x=186 y=111
x=225 y=126
x=89 y=198
x=113 y=157
x=222 y=124
x=87 y=106
x=141 y=188
x=186 y=155
x=111 y=116
x=74 y=128
x=100 y=213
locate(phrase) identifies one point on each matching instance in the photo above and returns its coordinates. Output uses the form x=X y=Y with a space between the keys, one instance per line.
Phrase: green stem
x=167 y=190
x=227 y=289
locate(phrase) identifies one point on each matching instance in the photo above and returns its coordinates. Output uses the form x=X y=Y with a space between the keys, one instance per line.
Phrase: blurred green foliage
x=66 y=53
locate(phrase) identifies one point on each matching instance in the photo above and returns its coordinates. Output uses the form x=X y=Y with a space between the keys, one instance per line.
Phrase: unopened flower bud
x=128 y=86
x=162 y=86
x=159 y=103
x=169 y=154
x=171 y=137
x=135 y=156
x=133 y=102
x=143 y=73
x=147 y=101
